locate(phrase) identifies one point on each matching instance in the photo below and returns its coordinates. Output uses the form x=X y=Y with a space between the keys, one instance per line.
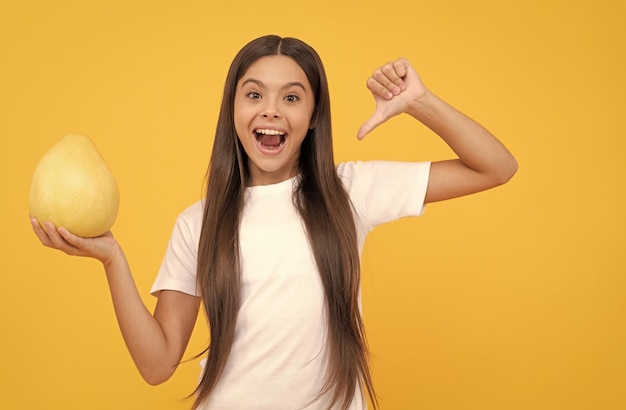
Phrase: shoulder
x=381 y=172
x=354 y=167
x=189 y=221
x=193 y=211
x=382 y=191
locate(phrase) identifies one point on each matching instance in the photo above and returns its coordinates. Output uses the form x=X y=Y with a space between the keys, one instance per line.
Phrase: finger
x=378 y=89
x=395 y=73
x=386 y=77
x=363 y=131
x=80 y=246
x=401 y=66
x=368 y=126
x=40 y=232
x=70 y=238
x=59 y=241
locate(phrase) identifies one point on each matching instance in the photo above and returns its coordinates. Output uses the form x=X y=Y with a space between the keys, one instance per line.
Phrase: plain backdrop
x=509 y=299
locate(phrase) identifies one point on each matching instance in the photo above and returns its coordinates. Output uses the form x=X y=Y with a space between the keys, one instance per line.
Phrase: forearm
x=475 y=147
x=483 y=162
x=156 y=342
x=141 y=331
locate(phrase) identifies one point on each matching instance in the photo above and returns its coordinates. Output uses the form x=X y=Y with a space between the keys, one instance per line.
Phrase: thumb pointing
x=368 y=126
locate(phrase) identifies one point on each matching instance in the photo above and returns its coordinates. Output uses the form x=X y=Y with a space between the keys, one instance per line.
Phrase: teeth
x=269 y=132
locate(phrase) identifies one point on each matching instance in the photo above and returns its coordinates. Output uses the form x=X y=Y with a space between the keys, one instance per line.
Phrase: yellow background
x=510 y=299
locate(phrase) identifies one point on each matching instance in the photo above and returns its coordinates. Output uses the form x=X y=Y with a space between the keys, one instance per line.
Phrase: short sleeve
x=383 y=191
x=178 y=268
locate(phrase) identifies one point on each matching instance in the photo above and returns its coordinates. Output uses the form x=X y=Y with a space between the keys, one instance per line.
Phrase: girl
x=273 y=250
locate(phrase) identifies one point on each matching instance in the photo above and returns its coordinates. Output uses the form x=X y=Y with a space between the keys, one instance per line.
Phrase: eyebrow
x=288 y=85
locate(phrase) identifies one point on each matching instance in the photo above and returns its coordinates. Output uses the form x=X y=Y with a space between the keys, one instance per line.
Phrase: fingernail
x=388 y=95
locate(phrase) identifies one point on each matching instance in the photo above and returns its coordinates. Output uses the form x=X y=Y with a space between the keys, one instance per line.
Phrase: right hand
x=101 y=247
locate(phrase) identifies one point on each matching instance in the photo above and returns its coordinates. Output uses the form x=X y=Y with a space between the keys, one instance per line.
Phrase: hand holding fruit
x=74 y=199
x=101 y=248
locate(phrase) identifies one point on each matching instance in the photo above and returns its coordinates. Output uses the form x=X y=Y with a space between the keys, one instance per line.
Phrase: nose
x=271 y=109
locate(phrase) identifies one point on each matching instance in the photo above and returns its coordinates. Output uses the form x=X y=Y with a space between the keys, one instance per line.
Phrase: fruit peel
x=73 y=187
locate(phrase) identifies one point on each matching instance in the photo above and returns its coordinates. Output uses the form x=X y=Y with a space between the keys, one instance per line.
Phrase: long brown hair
x=326 y=211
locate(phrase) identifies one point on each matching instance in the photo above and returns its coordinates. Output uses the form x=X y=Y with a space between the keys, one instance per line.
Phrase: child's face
x=273 y=107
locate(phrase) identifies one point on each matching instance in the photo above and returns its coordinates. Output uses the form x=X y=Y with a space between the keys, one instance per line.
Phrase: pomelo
x=73 y=187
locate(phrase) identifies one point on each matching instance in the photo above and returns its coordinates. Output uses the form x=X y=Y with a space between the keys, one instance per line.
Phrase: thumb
x=374 y=121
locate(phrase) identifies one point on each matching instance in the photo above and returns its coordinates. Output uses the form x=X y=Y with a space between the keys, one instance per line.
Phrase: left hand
x=101 y=248
x=395 y=87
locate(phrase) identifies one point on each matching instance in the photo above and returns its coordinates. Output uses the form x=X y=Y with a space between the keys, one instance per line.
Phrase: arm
x=483 y=162
x=156 y=343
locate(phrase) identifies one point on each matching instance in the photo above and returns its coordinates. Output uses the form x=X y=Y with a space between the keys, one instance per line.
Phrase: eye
x=292 y=98
x=253 y=95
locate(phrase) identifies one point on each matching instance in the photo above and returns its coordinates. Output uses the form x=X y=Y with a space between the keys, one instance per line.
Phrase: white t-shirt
x=278 y=357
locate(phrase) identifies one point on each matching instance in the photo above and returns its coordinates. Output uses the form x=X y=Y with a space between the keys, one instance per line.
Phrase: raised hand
x=395 y=87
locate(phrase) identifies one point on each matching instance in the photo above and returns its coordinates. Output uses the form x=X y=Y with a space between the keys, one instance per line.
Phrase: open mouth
x=270 y=139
